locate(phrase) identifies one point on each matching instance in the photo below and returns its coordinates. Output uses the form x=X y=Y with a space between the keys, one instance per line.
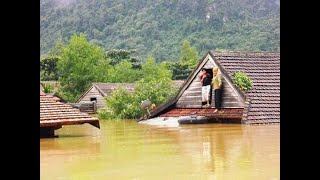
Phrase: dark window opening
x=93 y=99
x=211 y=88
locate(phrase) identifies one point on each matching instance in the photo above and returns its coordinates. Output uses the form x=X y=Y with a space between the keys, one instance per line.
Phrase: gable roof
x=262 y=67
x=106 y=88
x=54 y=113
x=164 y=106
x=264 y=70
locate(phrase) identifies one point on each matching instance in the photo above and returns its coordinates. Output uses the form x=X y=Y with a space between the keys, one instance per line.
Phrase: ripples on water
x=128 y=150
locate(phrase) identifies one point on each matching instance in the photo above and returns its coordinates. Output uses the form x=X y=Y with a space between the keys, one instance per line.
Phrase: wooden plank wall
x=229 y=98
x=94 y=93
x=191 y=97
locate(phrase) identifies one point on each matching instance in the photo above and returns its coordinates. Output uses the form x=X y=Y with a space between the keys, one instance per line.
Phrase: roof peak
x=245 y=52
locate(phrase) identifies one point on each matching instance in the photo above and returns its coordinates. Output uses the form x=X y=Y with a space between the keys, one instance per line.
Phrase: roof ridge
x=245 y=52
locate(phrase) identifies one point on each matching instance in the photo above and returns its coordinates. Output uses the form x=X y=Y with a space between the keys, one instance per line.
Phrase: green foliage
x=179 y=71
x=81 y=64
x=159 y=26
x=47 y=88
x=156 y=90
x=242 y=81
x=121 y=104
x=48 y=68
x=103 y=114
x=188 y=60
x=57 y=49
x=156 y=85
x=123 y=72
x=151 y=70
x=189 y=55
x=118 y=55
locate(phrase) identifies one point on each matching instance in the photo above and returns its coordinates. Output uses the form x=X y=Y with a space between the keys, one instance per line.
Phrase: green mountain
x=158 y=27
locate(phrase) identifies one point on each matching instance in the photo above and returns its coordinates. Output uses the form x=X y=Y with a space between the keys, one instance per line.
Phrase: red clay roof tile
x=55 y=113
x=264 y=69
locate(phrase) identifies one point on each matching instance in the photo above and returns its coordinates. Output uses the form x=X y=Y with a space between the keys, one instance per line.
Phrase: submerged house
x=98 y=91
x=259 y=105
x=54 y=114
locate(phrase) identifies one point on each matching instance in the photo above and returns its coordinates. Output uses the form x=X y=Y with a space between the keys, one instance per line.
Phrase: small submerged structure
x=54 y=114
x=98 y=91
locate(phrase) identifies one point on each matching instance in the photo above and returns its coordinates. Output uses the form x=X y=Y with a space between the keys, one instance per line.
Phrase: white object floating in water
x=162 y=121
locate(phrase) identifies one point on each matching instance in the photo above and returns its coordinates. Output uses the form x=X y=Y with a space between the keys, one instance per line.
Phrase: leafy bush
x=242 y=81
x=124 y=105
x=47 y=88
x=120 y=104
x=157 y=91
x=156 y=85
x=105 y=114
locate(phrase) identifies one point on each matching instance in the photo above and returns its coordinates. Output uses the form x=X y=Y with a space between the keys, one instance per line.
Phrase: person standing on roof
x=216 y=84
x=205 y=79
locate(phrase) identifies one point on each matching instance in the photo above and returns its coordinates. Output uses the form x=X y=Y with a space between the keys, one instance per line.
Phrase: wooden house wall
x=191 y=97
x=93 y=93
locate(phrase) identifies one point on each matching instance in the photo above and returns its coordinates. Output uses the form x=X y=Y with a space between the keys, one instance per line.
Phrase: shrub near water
x=124 y=105
x=242 y=81
x=156 y=85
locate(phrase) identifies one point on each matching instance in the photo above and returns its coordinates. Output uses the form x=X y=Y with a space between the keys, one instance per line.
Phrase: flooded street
x=128 y=150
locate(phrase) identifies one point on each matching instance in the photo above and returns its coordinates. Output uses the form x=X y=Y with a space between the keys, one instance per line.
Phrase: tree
x=189 y=55
x=159 y=26
x=179 y=71
x=156 y=86
x=48 y=68
x=151 y=70
x=81 y=64
x=188 y=61
x=118 y=55
x=123 y=72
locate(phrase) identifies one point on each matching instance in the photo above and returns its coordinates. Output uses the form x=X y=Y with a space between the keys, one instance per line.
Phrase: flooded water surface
x=129 y=150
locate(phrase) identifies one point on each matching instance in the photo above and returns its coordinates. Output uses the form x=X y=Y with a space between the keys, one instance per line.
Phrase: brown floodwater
x=128 y=150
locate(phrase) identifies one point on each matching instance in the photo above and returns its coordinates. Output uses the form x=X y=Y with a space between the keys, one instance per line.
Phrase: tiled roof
x=107 y=88
x=55 y=113
x=264 y=70
x=234 y=113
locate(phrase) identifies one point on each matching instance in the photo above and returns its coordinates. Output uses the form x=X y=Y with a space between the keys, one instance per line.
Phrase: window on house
x=93 y=99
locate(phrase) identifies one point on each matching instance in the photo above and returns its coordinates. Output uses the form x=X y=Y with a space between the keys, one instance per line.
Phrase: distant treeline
x=158 y=27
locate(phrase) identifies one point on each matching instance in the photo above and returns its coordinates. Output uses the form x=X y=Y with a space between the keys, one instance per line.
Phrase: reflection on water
x=128 y=150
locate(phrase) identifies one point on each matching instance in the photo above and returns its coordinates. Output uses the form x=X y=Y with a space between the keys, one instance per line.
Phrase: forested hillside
x=158 y=27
